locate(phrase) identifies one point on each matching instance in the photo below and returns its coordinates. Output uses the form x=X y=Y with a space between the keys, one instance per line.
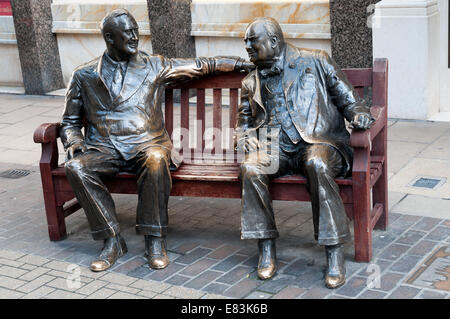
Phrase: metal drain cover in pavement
x=427 y=182
x=15 y=173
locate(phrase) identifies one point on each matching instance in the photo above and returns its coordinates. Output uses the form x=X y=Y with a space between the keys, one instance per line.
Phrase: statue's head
x=264 y=40
x=121 y=33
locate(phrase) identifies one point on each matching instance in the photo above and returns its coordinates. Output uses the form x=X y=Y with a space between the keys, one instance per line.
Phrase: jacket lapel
x=102 y=80
x=292 y=68
x=137 y=72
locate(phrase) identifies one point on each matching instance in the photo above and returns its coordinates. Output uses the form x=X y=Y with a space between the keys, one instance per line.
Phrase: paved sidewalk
x=208 y=259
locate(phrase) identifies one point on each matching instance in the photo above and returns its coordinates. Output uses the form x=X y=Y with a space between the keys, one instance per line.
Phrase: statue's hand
x=74 y=150
x=244 y=66
x=251 y=144
x=361 y=121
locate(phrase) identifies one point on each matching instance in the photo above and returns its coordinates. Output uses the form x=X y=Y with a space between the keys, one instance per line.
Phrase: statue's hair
x=271 y=26
x=109 y=20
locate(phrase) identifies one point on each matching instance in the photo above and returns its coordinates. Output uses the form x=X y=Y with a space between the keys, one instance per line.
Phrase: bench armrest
x=46 y=133
x=363 y=139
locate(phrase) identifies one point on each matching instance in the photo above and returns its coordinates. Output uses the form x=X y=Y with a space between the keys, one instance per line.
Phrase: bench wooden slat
x=169 y=111
x=217 y=120
x=361 y=77
x=201 y=119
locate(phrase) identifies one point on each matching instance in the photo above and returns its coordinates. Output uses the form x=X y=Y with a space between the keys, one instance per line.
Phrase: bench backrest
x=196 y=119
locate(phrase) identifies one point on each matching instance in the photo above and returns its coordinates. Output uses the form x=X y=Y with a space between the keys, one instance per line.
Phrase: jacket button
x=292 y=65
x=308 y=70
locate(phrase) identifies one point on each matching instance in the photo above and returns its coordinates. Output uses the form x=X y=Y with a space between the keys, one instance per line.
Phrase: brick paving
x=208 y=259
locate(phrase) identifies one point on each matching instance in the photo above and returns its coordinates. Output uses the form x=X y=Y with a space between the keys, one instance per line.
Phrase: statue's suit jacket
x=132 y=122
x=318 y=97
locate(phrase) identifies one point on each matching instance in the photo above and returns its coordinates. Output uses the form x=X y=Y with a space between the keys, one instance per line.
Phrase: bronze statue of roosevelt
x=301 y=97
x=119 y=96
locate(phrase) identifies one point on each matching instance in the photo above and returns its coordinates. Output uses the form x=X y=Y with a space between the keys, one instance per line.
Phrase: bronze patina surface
x=291 y=120
x=119 y=97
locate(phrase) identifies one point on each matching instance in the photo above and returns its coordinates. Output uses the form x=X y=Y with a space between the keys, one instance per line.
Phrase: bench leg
x=361 y=208
x=380 y=189
x=55 y=218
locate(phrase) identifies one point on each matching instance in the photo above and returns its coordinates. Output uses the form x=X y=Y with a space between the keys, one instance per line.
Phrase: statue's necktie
x=116 y=85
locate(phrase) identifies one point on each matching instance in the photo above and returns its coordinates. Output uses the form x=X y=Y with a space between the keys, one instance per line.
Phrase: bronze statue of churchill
x=119 y=96
x=303 y=97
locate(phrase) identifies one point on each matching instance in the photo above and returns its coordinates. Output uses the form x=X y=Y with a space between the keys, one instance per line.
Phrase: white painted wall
x=11 y=74
x=407 y=33
x=444 y=67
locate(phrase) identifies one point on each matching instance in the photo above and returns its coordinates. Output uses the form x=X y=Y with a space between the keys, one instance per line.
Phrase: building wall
x=77 y=27
x=11 y=74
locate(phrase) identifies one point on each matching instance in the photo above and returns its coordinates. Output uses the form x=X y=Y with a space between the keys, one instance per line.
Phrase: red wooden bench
x=220 y=179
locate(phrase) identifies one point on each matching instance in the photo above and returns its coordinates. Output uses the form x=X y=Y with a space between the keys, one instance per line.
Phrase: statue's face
x=259 y=45
x=125 y=36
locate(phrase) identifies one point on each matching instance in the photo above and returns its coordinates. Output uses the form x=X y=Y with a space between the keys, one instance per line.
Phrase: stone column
x=170 y=25
x=407 y=33
x=38 y=49
x=351 y=37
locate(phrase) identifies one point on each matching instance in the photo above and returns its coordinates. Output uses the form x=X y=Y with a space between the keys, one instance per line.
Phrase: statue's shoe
x=113 y=249
x=335 y=272
x=267 y=265
x=156 y=252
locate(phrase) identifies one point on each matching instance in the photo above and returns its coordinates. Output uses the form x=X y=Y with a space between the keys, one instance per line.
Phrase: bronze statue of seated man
x=299 y=99
x=119 y=97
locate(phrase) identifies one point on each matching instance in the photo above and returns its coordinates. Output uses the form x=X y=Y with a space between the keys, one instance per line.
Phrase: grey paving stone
x=427 y=294
x=374 y=266
x=34 y=260
x=193 y=256
x=130 y=265
x=224 y=251
x=92 y=287
x=427 y=223
x=299 y=267
x=230 y=262
x=422 y=248
x=405 y=264
x=163 y=274
x=259 y=295
x=118 y=279
x=11 y=255
x=242 y=288
x=394 y=251
x=403 y=223
x=317 y=293
x=372 y=294
x=178 y=280
x=150 y=285
x=10 y=294
x=122 y=288
x=39 y=293
x=198 y=267
x=353 y=287
x=10 y=283
x=439 y=233
x=124 y=295
x=411 y=237
x=12 y=271
x=234 y=275
x=35 y=284
x=289 y=293
x=183 y=292
x=312 y=278
x=215 y=288
x=276 y=284
x=62 y=294
x=388 y=281
x=141 y=272
x=102 y=293
x=184 y=248
x=404 y=292
x=203 y=279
